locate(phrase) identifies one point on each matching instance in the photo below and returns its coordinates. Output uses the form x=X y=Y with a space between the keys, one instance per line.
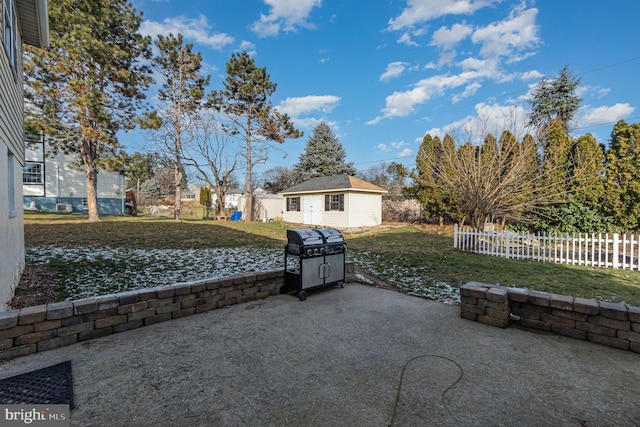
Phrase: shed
x=340 y=201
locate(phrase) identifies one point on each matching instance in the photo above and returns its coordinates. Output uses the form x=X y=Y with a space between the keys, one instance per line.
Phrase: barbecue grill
x=313 y=258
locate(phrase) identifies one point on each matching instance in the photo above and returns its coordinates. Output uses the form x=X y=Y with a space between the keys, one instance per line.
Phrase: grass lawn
x=132 y=251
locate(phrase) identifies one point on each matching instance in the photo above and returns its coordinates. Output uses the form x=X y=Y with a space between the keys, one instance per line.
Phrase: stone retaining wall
x=611 y=324
x=45 y=327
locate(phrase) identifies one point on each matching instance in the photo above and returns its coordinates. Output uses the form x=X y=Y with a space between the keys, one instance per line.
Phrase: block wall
x=611 y=324
x=45 y=327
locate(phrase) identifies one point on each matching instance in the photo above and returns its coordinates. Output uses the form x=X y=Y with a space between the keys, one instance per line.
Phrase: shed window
x=334 y=202
x=293 y=204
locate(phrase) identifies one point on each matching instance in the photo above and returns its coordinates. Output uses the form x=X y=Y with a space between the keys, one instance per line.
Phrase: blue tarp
x=237 y=216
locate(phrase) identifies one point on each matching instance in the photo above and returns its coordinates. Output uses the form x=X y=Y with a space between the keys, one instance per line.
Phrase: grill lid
x=330 y=235
x=304 y=237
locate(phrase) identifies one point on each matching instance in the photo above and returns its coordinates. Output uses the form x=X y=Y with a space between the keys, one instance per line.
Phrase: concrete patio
x=358 y=356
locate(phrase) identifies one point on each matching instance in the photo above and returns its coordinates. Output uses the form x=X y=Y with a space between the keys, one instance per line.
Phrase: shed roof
x=334 y=183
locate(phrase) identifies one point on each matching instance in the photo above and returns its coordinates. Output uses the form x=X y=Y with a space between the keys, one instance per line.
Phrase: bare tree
x=497 y=180
x=209 y=154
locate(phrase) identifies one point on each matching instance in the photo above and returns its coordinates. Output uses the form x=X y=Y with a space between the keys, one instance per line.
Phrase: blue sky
x=384 y=73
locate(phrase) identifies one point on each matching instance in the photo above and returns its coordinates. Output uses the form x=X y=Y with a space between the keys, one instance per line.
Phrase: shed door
x=312 y=210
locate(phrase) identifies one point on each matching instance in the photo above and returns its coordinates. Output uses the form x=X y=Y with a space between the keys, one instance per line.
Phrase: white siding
x=363 y=209
x=11 y=142
x=62 y=172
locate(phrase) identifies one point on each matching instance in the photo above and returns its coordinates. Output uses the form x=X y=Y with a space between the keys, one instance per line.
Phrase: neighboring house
x=266 y=206
x=23 y=21
x=55 y=182
x=340 y=201
x=230 y=199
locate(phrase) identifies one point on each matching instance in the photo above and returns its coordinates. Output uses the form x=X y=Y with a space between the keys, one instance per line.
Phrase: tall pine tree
x=180 y=96
x=323 y=155
x=87 y=86
x=251 y=116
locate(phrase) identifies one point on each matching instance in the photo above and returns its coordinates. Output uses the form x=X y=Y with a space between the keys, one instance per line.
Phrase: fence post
x=455 y=236
x=616 y=250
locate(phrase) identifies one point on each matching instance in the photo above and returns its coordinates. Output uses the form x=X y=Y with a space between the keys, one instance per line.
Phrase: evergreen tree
x=623 y=175
x=428 y=166
x=180 y=96
x=589 y=172
x=251 y=116
x=88 y=85
x=554 y=101
x=323 y=156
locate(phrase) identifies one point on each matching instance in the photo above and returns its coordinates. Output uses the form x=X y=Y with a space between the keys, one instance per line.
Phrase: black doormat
x=52 y=385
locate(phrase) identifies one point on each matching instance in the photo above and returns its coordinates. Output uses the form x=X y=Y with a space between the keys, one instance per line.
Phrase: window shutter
x=342 y=202
x=327 y=202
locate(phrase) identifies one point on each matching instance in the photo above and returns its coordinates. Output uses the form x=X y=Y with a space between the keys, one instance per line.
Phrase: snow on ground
x=91 y=271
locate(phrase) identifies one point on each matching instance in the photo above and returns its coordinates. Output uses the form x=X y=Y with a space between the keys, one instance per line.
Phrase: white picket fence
x=595 y=250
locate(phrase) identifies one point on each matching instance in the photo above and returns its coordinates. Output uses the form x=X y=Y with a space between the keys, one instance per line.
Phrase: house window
x=293 y=204
x=32 y=173
x=334 y=202
x=10 y=33
x=85 y=205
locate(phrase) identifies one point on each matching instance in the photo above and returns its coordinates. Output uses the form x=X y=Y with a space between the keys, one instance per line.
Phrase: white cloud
x=398 y=144
x=406 y=39
x=285 y=15
x=383 y=148
x=306 y=104
x=192 y=29
x=531 y=75
x=512 y=37
x=470 y=90
x=447 y=38
x=394 y=69
x=589 y=116
x=401 y=104
x=407 y=152
x=419 y=11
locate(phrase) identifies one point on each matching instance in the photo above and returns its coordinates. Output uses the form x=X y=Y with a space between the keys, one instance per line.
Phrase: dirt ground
x=37 y=286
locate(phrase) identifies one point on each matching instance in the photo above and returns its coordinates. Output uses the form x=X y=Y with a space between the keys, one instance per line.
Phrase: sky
x=383 y=73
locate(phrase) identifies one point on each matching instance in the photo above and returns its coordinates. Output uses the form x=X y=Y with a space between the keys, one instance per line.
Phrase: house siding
x=64 y=182
x=11 y=146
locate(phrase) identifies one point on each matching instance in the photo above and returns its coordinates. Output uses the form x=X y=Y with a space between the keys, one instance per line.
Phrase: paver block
x=518 y=295
x=560 y=321
x=488 y=320
x=57 y=342
x=76 y=329
x=614 y=311
x=586 y=306
x=623 y=325
x=634 y=313
x=127 y=326
x=539 y=298
x=569 y=332
x=609 y=341
x=629 y=336
x=47 y=325
x=95 y=333
x=59 y=310
x=85 y=306
x=596 y=329
x=498 y=295
x=535 y=324
x=468 y=315
x=27 y=315
x=129 y=297
x=35 y=337
x=8 y=319
x=15 y=331
x=561 y=302
x=20 y=351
